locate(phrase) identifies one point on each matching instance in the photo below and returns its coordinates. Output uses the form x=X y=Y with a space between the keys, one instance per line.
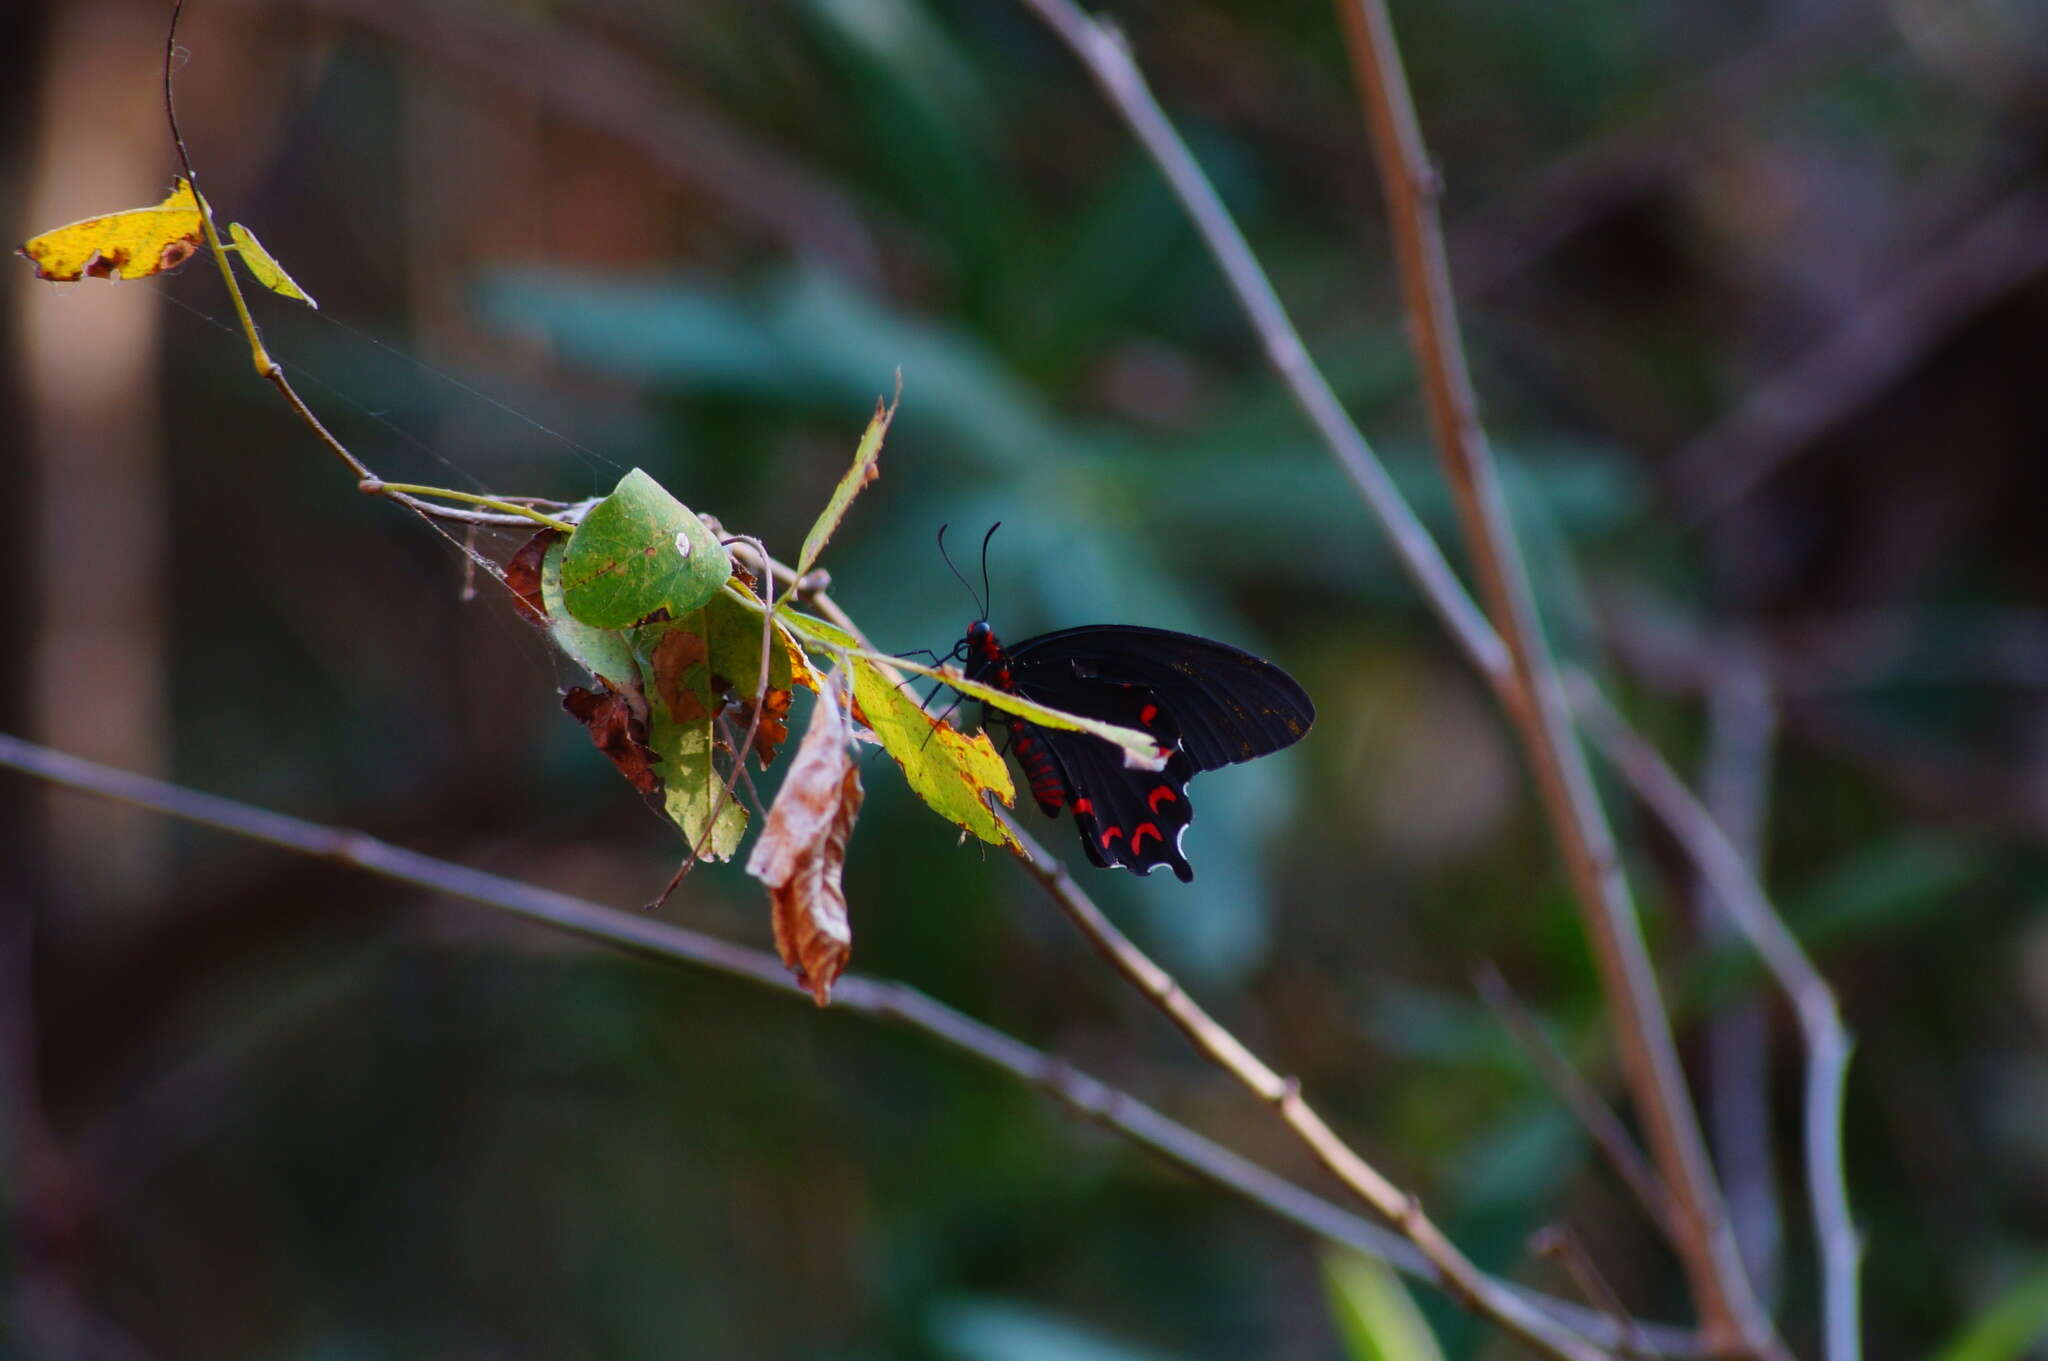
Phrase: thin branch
x=1820 y=1022
x=1107 y=59
x=1593 y=1114
x=1472 y=1288
x=665 y=943
x=1729 y=1310
x=1735 y=786
x=1560 y=1244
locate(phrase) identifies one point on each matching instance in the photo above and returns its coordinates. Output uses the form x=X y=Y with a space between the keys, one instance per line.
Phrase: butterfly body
x=1207 y=704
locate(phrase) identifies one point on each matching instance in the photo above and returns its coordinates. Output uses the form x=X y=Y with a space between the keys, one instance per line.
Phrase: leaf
x=129 y=245
x=617 y=732
x=802 y=851
x=638 y=552
x=2010 y=1328
x=604 y=653
x=1375 y=1316
x=522 y=577
x=948 y=770
x=676 y=658
x=264 y=268
x=865 y=469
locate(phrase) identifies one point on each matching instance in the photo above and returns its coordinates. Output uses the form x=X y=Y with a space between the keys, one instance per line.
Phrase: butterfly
x=1205 y=703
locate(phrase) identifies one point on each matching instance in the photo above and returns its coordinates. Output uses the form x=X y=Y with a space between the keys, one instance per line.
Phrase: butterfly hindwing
x=1133 y=819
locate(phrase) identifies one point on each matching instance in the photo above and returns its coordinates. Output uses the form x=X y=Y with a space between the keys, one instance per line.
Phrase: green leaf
x=1375 y=1317
x=2009 y=1328
x=734 y=634
x=677 y=659
x=264 y=268
x=859 y=475
x=949 y=770
x=602 y=652
x=638 y=552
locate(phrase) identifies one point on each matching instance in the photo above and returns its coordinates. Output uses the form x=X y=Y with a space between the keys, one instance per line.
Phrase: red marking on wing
x=1163 y=791
x=1111 y=835
x=1145 y=828
x=1083 y=806
x=1148 y=713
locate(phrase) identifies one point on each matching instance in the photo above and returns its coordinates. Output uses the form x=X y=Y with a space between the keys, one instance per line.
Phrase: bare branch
x=661 y=941
x=1534 y=696
x=1472 y=1288
x=1827 y=1041
x=1599 y=1122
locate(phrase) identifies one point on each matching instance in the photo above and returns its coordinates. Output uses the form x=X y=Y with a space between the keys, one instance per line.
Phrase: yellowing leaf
x=803 y=849
x=863 y=471
x=263 y=266
x=948 y=770
x=130 y=245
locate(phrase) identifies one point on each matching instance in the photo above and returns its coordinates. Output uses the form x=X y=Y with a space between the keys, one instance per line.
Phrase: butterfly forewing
x=1230 y=705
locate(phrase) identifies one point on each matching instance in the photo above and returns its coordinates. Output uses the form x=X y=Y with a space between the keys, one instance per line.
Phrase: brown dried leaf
x=522 y=576
x=802 y=850
x=617 y=733
x=774 y=727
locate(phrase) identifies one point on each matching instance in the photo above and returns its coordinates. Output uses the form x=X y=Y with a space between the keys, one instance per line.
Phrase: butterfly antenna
x=987 y=596
x=978 y=600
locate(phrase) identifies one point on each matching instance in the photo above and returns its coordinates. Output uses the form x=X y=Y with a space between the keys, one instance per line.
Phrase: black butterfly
x=1207 y=703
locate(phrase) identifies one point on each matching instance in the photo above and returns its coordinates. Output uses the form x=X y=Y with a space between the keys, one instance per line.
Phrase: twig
x=657 y=940
x=1599 y=1122
x=1734 y=784
x=1108 y=62
x=1472 y=1288
x=1559 y=1243
x=1820 y=1023
x=1815 y=391
x=1728 y=1307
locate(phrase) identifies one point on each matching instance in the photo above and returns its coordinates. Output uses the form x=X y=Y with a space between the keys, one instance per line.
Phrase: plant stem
x=1730 y=1312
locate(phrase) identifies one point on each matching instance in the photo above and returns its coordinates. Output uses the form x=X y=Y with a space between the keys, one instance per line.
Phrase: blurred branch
x=1814 y=392
x=1593 y=1114
x=1080 y=1093
x=1107 y=60
x=1534 y=696
x=1472 y=1288
x=1827 y=1042
x=1735 y=782
x=604 y=88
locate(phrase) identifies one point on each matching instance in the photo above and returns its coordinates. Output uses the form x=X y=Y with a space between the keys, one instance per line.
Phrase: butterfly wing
x=1228 y=705
x=1132 y=819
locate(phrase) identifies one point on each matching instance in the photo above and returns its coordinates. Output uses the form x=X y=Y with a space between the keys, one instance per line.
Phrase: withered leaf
x=677 y=652
x=773 y=729
x=802 y=850
x=523 y=576
x=617 y=732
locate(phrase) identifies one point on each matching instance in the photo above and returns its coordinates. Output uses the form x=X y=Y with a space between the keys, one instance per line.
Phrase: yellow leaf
x=264 y=266
x=948 y=770
x=130 y=245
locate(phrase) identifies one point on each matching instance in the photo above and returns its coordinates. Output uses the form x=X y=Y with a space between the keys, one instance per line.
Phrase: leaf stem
x=376 y=486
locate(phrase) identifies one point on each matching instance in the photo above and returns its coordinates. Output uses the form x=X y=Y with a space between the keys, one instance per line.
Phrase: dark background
x=266 y=1107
